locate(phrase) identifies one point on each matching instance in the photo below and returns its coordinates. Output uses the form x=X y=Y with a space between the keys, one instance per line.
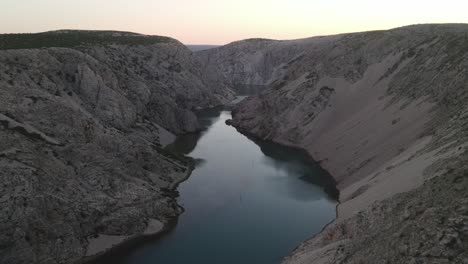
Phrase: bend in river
x=247 y=201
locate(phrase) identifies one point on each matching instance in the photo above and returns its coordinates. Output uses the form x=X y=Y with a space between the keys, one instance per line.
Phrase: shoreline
x=298 y=148
x=115 y=251
x=339 y=202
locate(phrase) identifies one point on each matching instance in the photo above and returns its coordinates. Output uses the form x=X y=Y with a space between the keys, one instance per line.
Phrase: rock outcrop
x=84 y=117
x=385 y=113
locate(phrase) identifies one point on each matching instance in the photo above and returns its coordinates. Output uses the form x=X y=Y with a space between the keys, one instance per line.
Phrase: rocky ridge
x=83 y=122
x=385 y=113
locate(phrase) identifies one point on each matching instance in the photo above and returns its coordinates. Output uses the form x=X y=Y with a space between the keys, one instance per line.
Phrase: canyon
x=385 y=113
x=83 y=128
x=84 y=125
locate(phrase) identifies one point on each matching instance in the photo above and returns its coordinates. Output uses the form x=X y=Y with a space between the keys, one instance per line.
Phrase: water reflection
x=186 y=143
x=247 y=201
x=296 y=161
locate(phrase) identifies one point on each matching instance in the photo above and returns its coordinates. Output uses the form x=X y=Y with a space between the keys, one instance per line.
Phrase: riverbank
x=384 y=122
x=108 y=249
x=364 y=205
x=81 y=138
x=240 y=195
x=332 y=191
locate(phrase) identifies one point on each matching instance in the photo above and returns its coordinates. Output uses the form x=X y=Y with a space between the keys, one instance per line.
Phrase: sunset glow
x=220 y=22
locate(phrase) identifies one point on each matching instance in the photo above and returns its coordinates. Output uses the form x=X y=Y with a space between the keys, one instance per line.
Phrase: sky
x=221 y=21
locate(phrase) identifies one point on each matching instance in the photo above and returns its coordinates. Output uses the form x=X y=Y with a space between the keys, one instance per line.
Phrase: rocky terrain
x=385 y=113
x=83 y=119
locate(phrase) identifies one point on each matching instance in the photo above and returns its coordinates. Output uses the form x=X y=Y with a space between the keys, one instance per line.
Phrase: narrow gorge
x=85 y=118
x=385 y=113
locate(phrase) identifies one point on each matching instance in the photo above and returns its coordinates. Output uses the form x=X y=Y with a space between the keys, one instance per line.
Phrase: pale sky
x=221 y=22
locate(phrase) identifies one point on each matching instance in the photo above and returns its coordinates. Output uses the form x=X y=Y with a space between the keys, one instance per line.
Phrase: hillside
x=77 y=38
x=385 y=113
x=83 y=123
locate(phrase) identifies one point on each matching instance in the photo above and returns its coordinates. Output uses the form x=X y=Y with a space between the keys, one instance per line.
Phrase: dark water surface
x=247 y=201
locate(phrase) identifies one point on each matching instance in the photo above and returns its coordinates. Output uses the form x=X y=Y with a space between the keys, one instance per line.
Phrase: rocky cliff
x=83 y=119
x=385 y=113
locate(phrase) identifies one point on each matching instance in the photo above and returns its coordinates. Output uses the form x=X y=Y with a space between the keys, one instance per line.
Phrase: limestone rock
x=80 y=148
x=385 y=113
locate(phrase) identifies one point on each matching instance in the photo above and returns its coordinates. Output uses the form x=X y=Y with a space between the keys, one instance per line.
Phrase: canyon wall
x=385 y=113
x=84 y=117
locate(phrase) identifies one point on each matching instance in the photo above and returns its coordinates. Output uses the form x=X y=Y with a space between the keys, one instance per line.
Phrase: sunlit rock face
x=82 y=127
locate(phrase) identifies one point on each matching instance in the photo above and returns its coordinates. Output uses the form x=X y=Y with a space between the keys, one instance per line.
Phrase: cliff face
x=385 y=113
x=241 y=64
x=82 y=127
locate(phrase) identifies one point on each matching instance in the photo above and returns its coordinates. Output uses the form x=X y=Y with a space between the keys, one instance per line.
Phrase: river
x=247 y=201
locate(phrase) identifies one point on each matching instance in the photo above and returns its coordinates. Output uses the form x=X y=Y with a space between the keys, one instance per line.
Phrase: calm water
x=246 y=201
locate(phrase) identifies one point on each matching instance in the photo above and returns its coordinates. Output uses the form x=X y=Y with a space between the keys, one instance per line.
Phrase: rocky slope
x=385 y=113
x=83 y=118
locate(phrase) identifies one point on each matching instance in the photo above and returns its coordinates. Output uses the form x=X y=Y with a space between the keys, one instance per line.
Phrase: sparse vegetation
x=76 y=38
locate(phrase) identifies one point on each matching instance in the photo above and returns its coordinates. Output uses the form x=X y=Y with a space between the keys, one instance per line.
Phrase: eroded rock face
x=382 y=111
x=425 y=225
x=80 y=147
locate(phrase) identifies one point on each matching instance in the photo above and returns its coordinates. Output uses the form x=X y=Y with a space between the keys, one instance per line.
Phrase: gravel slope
x=385 y=113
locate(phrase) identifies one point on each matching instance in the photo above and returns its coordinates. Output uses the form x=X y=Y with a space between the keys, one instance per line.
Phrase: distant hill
x=196 y=48
x=75 y=38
